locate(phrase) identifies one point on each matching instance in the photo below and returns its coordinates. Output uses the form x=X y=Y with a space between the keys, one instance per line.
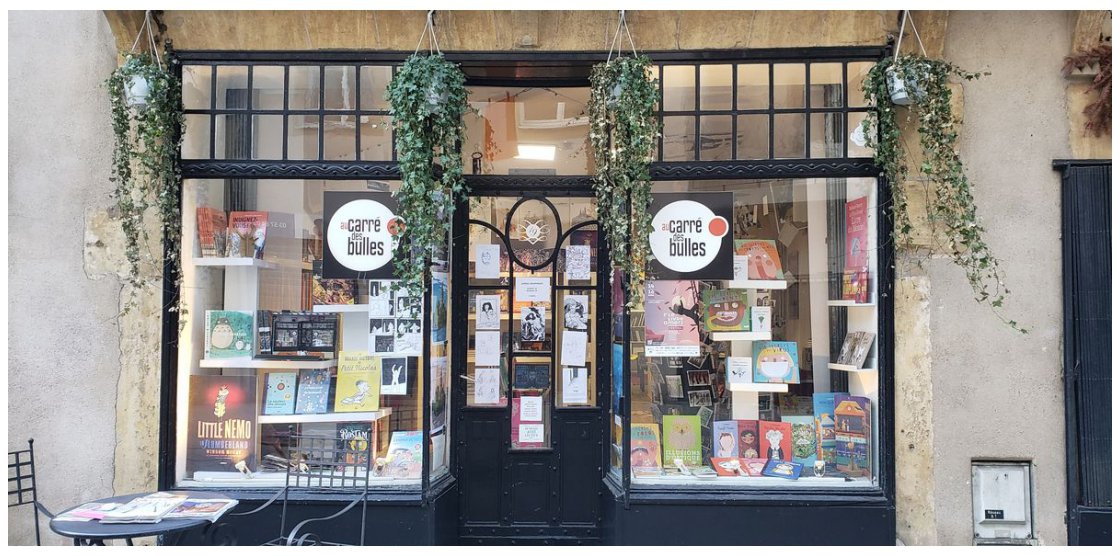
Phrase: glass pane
x=858 y=146
x=576 y=379
x=857 y=72
x=754 y=137
x=532 y=401
x=828 y=136
x=680 y=88
x=268 y=137
x=196 y=87
x=715 y=87
x=375 y=80
x=715 y=137
x=488 y=327
x=826 y=85
x=233 y=82
x=231 y=137
x=377 y=138
x=303 y=137
x=268 y=88
x=753 y=85
x=789 y=136
x=339 y=84
x=680 y=138
x=303 y=87
x=489 y=260
x=196 y=136
x=339 y=137
x=789 y=85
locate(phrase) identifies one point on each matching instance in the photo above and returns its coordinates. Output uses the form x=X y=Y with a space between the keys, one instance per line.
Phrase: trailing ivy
x=624 y=131
x=951 y=209
x=427 y=97
x=145 y=168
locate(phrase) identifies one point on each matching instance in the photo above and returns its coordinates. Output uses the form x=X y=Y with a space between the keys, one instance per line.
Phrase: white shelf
x=266 y=363
x=740 y=336
x=233 y=261
x=327 y=417
x=847 y=303
x=850 y=368
x=759 y=387
x=353 y=308
x=757 y=284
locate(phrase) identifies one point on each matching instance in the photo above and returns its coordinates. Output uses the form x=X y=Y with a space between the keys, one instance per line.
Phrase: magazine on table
x=87 y=512
x=145 y=509
x=202 y=508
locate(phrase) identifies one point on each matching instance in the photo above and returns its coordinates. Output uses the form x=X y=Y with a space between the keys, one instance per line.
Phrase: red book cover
x=748 y=438
x=856 y=247
x=776 y=440
x=729 y=467
x=754 y=466
x=211 y=231
x=247 y=231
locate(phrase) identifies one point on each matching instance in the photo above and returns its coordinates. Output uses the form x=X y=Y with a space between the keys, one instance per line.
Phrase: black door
x=530 y=368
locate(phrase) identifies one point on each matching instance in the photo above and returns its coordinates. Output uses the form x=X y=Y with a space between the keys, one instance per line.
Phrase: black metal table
x=96 y=533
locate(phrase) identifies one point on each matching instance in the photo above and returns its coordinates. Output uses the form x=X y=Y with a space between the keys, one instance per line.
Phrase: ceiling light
x=536 y=152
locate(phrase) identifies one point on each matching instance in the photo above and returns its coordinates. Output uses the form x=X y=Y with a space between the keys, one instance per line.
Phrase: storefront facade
x=523 y=435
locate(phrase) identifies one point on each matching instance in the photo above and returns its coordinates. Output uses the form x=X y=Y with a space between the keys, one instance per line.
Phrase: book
x=229 y=334
x=645 y=445
x=145 y=509
x=855 y=285
x=681 y=439
x=760 y=318
x=727 y=310
x=782 y=469
x=318 y=334
x=355 y=440
x=846 y=349
x=702 y=472
x=211 y=231
x=725 y=439
x=280 y=393
x=246 y=234
x=862 y=348
x=853 y=432
x=754 y=466
x=221 y=423
x=729 y=467
x=804 y=438
x=776 y=361
x=748 y=438
x=285 y=332
x=776 y=440
x=824 y=403
x=359 y=382
x=312 y=394
x=763 y=262
x=402 y=460
x=202 y=508
x=87 y=512
x=645 y=472
x=855 y=233
x=264 y=333
x=331 y=291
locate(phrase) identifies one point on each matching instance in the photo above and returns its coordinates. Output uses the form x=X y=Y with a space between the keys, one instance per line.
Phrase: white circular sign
x=361 y=235
x=686 y=236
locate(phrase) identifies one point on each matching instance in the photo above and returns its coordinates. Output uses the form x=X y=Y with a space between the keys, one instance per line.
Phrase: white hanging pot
x=904 y=93
x=136 y=91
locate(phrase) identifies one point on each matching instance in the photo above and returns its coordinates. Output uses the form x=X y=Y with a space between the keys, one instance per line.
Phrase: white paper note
x=487 y=261
x=578 y=262
x=531 y=408
x=487 y=312
x=487 y=348
x=739 y=370
x=574 y=349
x=740 y=266
x=486 y=382
x=760 y=319
x=532 y=289
x=575 y=385
x=530 y=433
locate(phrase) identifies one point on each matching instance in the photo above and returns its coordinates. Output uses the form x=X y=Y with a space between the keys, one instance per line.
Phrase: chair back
x=334 y=464
x=21 y=481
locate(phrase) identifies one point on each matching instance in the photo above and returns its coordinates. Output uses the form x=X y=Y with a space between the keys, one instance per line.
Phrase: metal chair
x=21 y=468
x=321 y=464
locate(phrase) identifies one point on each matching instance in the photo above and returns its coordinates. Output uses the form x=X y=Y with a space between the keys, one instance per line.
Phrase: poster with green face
x=681 y=435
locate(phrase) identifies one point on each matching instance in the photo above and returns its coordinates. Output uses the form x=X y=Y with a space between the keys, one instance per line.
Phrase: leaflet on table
x=145 y=509
x=209 y=509
x=87 y=512
x=672 y=312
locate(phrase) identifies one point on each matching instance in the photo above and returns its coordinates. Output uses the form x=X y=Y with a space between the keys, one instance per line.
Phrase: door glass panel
x=575 y=372
x=530 y=415
x=488 y=342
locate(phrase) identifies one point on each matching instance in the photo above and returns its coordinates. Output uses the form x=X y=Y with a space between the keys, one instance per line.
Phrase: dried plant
x=1098 y=112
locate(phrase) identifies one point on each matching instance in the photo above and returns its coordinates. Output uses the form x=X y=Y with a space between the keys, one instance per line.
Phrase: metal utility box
x=1002 y=502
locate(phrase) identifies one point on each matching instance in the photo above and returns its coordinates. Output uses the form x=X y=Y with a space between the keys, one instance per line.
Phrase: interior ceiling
x=481 y=73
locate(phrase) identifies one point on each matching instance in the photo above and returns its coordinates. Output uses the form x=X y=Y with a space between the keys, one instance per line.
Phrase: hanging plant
x=1098 y=112
x=428 y=98
x=146 y=110
x=951 y=208
x=624 y=131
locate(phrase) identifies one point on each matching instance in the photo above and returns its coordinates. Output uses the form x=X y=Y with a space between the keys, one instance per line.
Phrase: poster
x=394 y=376
x=855 y=250
x=439 y=307
x=395 y=321
x=439 y=393
x=672 y=324
x=578 y=262
x=532 y=408
x=487 y=348
x=222 y=428
x=361 y=231
x=573 y=349
x=487 y=263
x=532 y=290
x=691 y=236
x=486 y=385
x=487 y=312
x=575 y=385
x=531 y=433
x=576 y=312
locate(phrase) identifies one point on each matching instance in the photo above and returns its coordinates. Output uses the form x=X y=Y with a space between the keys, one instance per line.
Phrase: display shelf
x=740 y=336
x=352 y=308
x=757 y=284
x=234 y=261
x=804 y=482
x=847 y=303
x=266 y=363
x=344 y=417
x=850 y=368
x=759 y=387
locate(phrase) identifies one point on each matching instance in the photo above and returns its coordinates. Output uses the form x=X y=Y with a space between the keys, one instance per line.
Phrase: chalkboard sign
x=530 y=375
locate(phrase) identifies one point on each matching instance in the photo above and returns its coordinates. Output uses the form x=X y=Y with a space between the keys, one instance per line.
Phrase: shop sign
x=691 y=236
x=361 y=231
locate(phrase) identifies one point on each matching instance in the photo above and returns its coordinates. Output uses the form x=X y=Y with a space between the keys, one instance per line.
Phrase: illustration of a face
x=727 y=313
x=774 y=437
x=726 y=444
x=761 y=266
x=682 y=436
x=774 y=362
x=222 y=335
x=639 y=457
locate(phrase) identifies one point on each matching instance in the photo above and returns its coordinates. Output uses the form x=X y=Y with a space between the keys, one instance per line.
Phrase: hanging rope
x=430 y=33
x=147 y=26
x=902 y=29
x=622 y=25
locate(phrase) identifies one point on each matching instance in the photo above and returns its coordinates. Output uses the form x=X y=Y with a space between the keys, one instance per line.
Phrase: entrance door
x=531 y=369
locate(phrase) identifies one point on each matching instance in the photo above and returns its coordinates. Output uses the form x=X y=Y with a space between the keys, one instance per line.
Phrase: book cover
x=725 y=439
x=151 y=508
x=229 y=334
x=246 y=234
x=645 y=445
x=331 y=291
x=318 y=333
x=853 y=431
x=727 y=310
x=847 y=348
x=196 y=508
x=312 y=394
x=776 y=440
x=359 y=382
x=355 y=439
x=776 y=362
x=763 y=262
x=264 y=332
x=783 y=469
x=403 y=458
x=729 y=467
x=222 y=416
x=862 y=348
x=855 y=287
x=804 y=438
x=754 y=466
x=211 y=231
x=824 y=403
x=672 y=318
x=285 y=332
x=681 y=439
x=748 y=438
x=280 y=393
x=856 y=247
x=760 y=318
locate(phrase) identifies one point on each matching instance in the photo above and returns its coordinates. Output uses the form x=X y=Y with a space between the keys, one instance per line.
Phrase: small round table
x=95 y=533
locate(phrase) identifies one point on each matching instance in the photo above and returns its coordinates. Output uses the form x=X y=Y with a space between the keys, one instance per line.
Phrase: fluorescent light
x=536 y=152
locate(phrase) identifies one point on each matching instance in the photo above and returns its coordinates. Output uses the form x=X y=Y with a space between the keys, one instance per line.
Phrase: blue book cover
x=314 y=391
x=853 y=433
x=824 y=404
x=776 y=362
x=725 y=439
x=804 y=438
x=280 y=393
x=782 y=469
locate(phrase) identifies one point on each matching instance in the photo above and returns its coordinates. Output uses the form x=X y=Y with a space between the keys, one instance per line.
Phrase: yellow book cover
x=359 y=382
